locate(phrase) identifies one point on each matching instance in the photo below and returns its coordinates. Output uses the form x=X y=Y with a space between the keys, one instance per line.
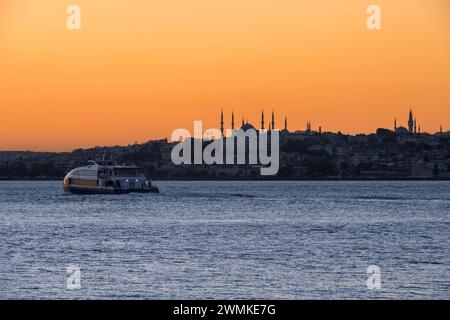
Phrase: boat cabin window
x=127 y=172
x=87 y=173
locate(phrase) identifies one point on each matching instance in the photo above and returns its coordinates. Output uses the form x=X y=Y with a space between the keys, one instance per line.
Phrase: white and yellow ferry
x=107 y=177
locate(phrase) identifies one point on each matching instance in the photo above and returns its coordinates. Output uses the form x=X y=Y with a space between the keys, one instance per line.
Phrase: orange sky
x=139 y=69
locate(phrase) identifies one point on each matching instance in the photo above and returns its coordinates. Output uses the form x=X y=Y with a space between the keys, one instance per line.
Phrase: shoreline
x=251 y=180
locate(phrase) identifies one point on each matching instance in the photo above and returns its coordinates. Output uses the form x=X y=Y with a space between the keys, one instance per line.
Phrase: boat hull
x=96 y=190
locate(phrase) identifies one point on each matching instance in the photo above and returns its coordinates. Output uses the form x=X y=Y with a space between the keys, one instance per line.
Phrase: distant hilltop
x=400 y=153
x=413 y=126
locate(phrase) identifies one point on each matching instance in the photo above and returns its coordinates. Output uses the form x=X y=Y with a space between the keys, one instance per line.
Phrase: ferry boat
x=107 y=177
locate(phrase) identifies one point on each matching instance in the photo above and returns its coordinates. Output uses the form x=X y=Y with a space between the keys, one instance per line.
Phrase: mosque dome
x=247 y=126
x=401 y=130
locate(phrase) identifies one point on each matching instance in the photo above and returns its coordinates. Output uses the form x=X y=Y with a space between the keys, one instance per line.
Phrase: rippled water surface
x=227 y=240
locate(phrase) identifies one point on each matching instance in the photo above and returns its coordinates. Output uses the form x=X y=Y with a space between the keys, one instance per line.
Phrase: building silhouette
x=413 y=126
x=246 y=125
x=410 y=122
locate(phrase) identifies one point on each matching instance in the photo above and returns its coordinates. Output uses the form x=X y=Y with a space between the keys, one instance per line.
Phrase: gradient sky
x=139 y=69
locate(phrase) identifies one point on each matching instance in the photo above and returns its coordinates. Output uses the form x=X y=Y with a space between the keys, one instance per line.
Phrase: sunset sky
x=139 y=69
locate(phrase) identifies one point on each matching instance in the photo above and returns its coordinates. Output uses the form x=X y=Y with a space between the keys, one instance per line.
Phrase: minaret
x=232 y=120
x=395 y=124
x=262 y=120
x=410 y=122
x=419 y=129
x=221 y=122
x=273 y=121
x=285 y=124
x=415 y=126
x=440 y=129
x=243 y=121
